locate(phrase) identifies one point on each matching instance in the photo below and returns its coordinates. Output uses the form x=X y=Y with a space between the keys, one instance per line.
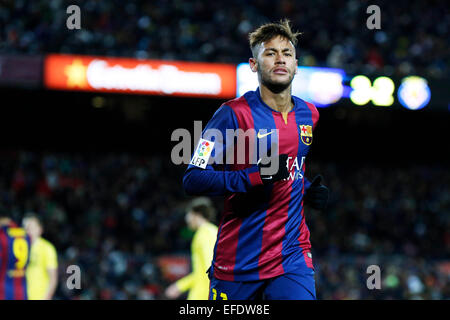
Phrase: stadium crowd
x=413 y=38
x=115 y=215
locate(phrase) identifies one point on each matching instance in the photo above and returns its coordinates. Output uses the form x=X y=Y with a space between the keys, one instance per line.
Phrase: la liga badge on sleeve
x=202 y=154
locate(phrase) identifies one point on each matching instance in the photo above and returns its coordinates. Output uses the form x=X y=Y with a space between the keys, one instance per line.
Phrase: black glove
x=317 y=194
x=282 y=171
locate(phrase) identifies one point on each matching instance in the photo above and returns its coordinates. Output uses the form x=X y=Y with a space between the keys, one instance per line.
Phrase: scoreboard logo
x=306 y=133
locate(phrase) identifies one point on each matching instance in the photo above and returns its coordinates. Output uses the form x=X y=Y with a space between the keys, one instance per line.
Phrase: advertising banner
x=124 y=75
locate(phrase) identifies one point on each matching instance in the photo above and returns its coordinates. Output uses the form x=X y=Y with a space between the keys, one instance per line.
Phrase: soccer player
x=14 y=257
x=199 y=216
x=262 y=249
x=42 y=272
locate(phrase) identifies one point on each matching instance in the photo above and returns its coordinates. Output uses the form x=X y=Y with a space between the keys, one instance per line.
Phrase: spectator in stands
x=413 y=38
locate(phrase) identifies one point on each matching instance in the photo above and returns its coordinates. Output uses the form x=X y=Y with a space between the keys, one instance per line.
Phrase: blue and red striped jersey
x=262 y=231
x=14 y=257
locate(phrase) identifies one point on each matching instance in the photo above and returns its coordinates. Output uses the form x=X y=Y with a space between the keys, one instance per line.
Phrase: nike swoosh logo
x=266 y=178
x=263 y=135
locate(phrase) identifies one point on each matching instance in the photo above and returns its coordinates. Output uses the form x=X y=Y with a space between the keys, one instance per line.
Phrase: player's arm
x=184 y=284
x=212 y=181
x=53 y=282
x=201 y=257
x=187 y=282
x=316 y=194
x=52 y=271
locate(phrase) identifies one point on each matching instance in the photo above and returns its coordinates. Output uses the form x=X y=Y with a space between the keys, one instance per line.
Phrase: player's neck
x=200 y=222
x=281 y=102
x=34 y=238
x=5 y=221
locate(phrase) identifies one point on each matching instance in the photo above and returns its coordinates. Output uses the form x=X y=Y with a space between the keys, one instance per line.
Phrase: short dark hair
x=268 y=31
x=204 y=207
x=32 y=215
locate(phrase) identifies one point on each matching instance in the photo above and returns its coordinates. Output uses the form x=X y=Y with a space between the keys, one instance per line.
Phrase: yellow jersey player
x=42 y=271
x=198 y=217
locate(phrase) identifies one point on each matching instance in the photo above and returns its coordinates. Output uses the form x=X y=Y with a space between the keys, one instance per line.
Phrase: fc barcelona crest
x=306 y=133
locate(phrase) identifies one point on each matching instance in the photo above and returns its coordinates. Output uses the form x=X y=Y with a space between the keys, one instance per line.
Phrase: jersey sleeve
x=197 y=246
x=315 y=119
x=307 y=183
x=217 y=179
x=51 y=257
x=314 y=114
x=186 y=283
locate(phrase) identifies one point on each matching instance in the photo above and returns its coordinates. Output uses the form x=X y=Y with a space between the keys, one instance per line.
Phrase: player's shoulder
x=15 y=231
x=207 y=229
x=212 y=228
x=238 y=103
x=240 y=108
x=44 y=244
x=303 y=104
x=2 y=232
x=230 y=110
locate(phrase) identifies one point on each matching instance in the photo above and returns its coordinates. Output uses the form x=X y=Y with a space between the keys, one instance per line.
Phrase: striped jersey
x=262 y=231
x=14 y=258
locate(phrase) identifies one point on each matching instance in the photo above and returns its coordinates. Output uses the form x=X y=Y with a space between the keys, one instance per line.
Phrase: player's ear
x=296 y=66
x=253 y=64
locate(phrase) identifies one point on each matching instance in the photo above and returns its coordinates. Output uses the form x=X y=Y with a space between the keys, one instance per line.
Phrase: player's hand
x=172 y=292
x=281 y=173
x=317 y=194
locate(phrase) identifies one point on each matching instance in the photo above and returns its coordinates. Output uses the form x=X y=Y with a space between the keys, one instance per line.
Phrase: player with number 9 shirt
x=14 y=258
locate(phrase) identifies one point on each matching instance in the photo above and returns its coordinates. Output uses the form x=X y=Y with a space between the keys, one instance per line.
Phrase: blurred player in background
x=42 y=271
x=14 y=256
x=263 y=248
x=199 y=216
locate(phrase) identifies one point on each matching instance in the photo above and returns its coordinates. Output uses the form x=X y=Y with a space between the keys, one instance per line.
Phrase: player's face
x=190 y=220
x=32 y=227
x=276 y=63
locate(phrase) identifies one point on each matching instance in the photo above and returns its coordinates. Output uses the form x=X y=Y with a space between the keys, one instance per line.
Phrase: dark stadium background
x=70 y=121
x=387 y=170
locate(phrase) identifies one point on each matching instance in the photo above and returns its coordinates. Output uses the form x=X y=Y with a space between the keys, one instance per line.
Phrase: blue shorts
x=288 y=286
